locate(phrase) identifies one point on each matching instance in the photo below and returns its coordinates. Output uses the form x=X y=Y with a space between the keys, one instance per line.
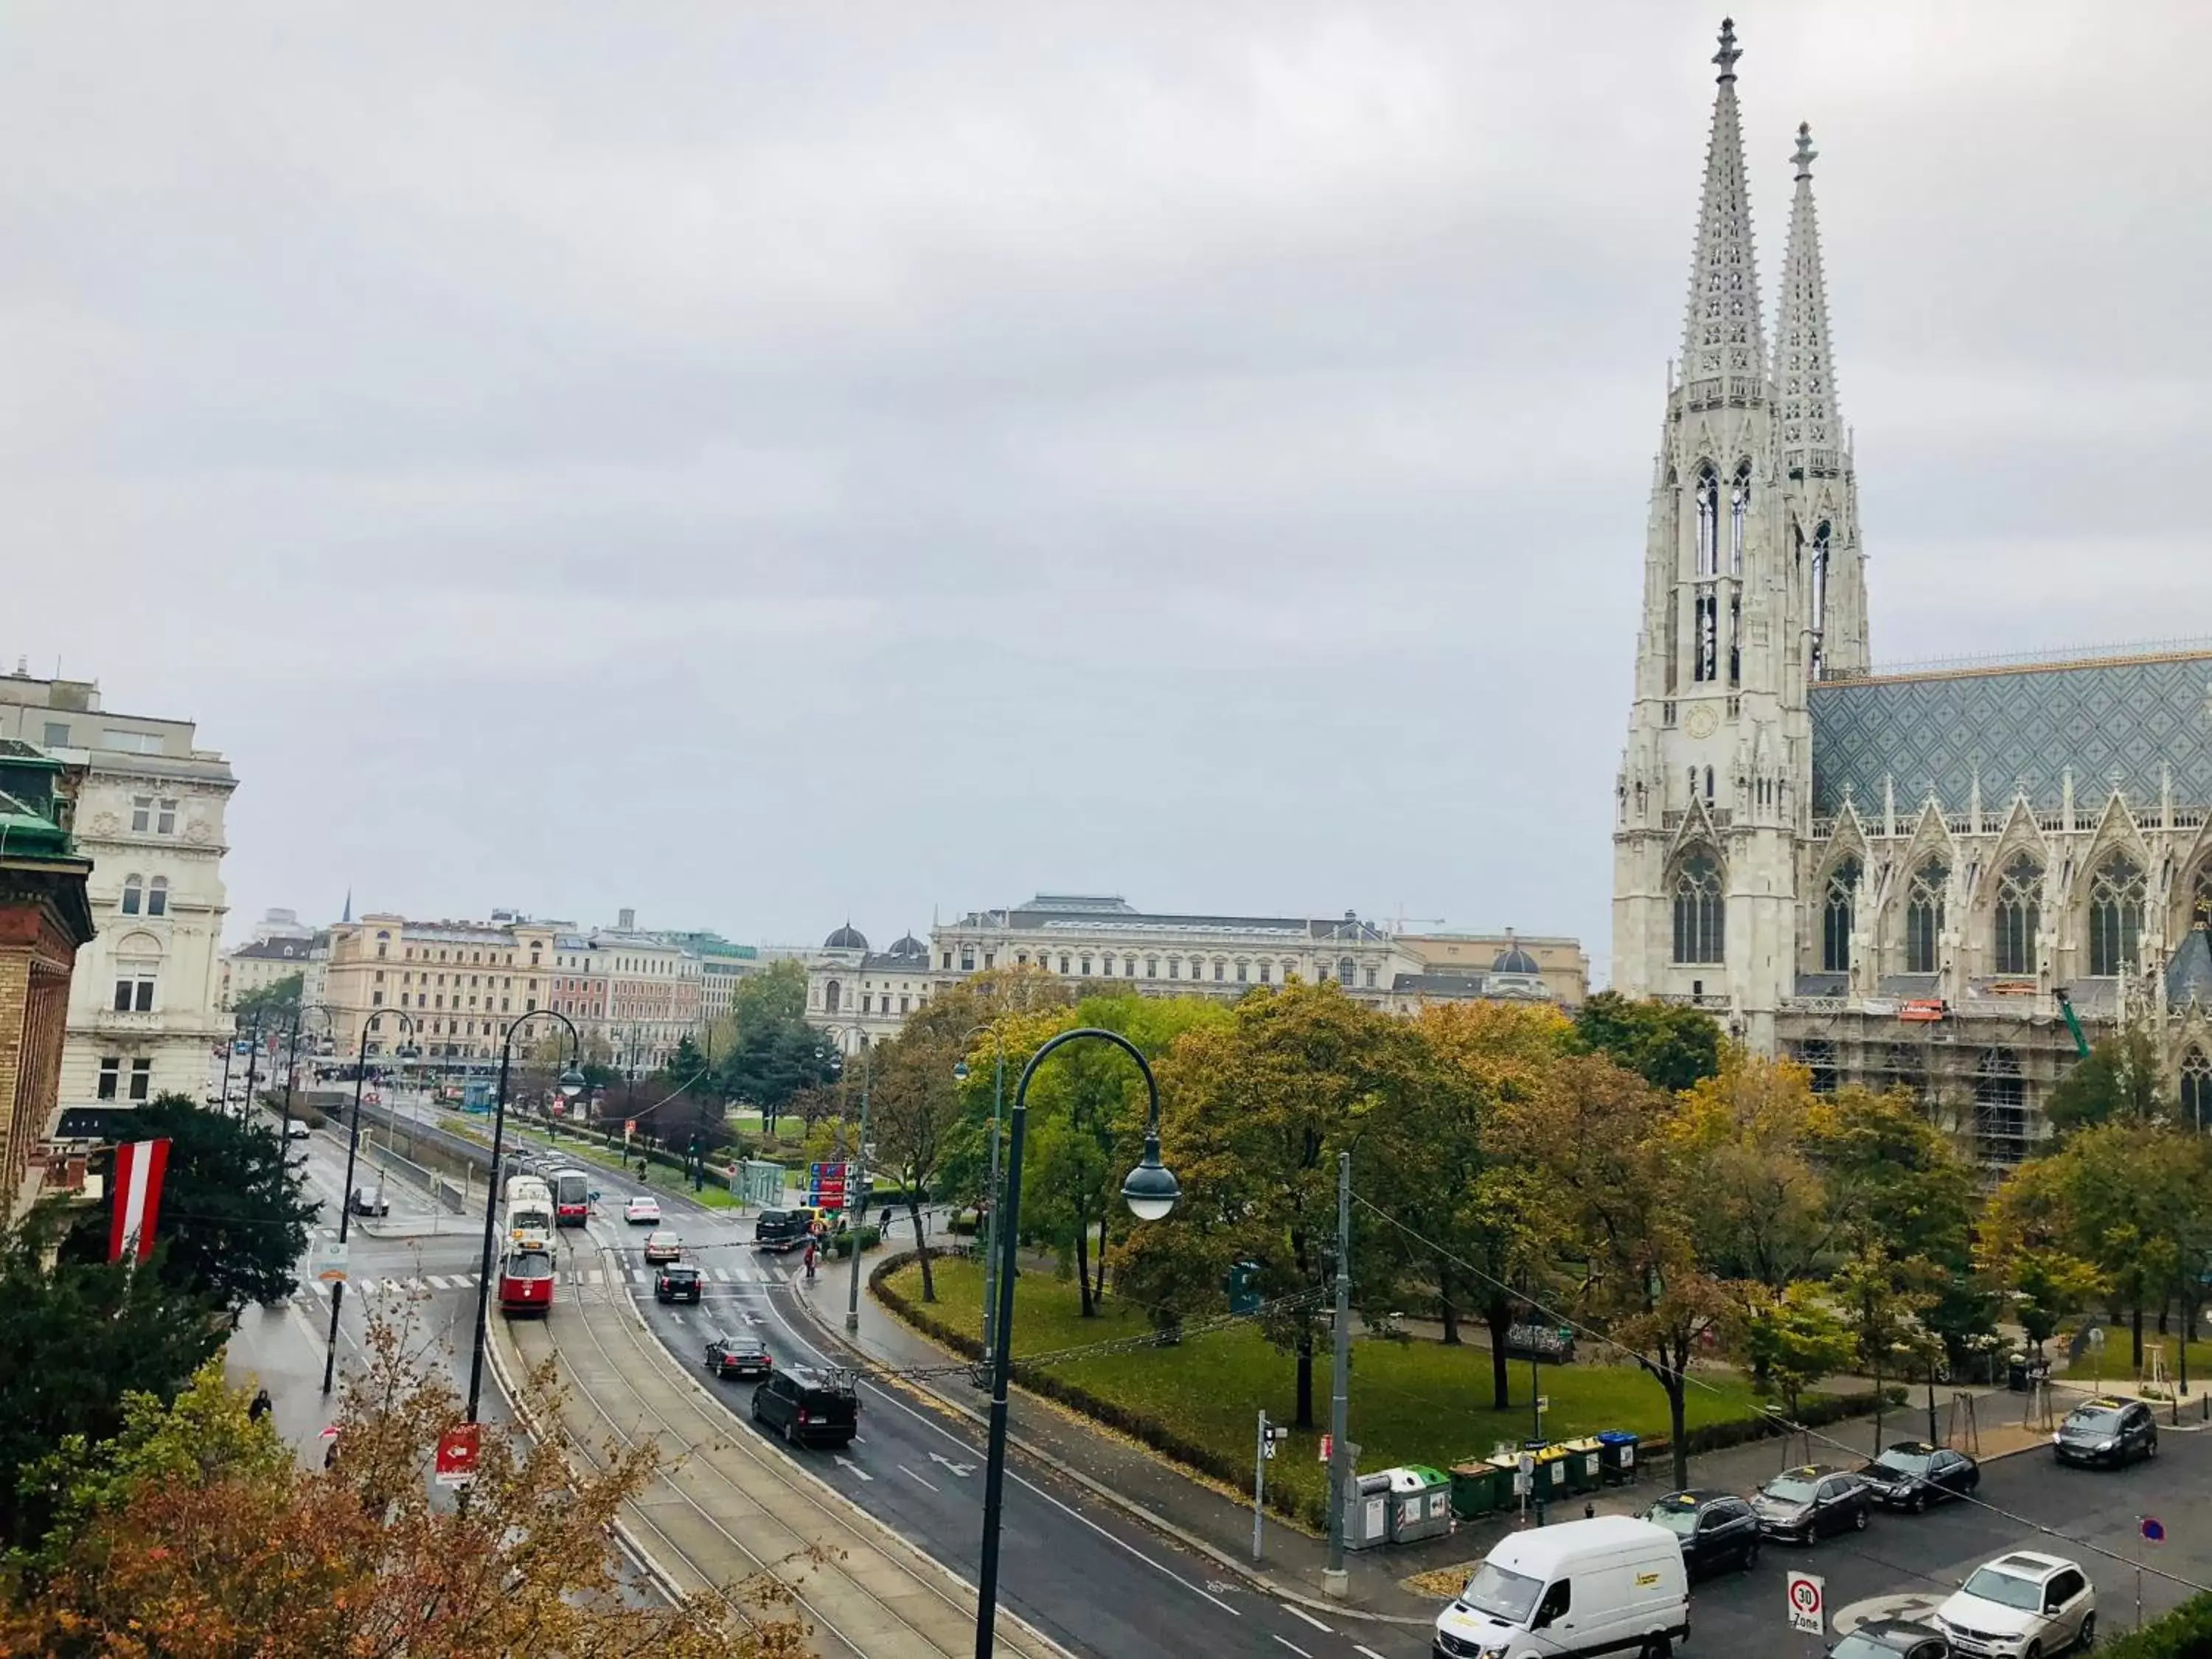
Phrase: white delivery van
x=1613 y=1584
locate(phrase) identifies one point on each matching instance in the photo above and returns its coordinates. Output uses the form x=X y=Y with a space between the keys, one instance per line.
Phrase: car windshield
x=1680 y=1518
x=1896 y=1460
x=2094 y=1417
x=1791 y=1488
x=679 y=1273
x=2006 y=1591
x=1509 y=1596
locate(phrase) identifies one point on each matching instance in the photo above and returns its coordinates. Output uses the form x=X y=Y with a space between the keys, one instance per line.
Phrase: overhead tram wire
x=1811 y=1434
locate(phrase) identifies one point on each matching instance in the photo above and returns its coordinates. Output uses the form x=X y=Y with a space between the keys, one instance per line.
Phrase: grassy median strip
x=1412 y=1401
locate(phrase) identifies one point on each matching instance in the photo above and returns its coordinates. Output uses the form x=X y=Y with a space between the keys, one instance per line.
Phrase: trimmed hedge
x=1815 y=1410
x=841 y=1244
x=2184 y=1634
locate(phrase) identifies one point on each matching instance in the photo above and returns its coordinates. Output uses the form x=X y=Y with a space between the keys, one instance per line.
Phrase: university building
x=1896 y=875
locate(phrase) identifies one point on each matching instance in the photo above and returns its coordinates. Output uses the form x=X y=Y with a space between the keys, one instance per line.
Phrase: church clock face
x=1701 y=721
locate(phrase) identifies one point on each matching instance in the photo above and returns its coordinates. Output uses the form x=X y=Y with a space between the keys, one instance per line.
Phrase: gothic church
x=1899 y=877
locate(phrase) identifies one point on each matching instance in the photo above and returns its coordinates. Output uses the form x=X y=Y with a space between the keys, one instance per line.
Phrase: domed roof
x=848 y=938
x=1514 y=960
x=910 y=948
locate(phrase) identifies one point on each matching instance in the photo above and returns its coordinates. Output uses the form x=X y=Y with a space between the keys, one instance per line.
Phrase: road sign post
x=1808 y=1603
x=457 y=1454
x=330 y=1259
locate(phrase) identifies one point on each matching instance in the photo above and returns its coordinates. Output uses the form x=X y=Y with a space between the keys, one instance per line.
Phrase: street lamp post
x=571 y=1084
x=1150 y=1190
x=856 y=1178
x=991 y=1213
x=300 y=1009
x=345 y=1196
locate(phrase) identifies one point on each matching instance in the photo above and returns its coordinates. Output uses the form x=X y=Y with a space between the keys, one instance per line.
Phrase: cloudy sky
x=760 y=464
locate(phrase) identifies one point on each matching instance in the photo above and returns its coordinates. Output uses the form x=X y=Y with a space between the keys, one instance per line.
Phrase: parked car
x=781 y=1230
x=370 y=1200
x=677 y=1282
x=1715 y=1528
x=642 y=1211
x=739 y=1356
x=1610 y=1585
x=1913 y=1474
x=663 y=1247
x=2022 y=1604
x=1803 y=1505
x=2107 y=1431
x=1893 y=1638
x=808 y=1408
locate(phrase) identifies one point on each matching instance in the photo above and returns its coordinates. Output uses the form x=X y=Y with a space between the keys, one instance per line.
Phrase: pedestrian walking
x=262 y=1406
x=810 y=1259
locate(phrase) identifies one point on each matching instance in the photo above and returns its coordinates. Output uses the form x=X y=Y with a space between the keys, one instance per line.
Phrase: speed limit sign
x=1808 y=1603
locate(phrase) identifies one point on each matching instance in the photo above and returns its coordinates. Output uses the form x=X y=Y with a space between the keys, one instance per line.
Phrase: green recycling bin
x=1585 y=1467
x=1474 y=1489
x=1420 y=1504
x=1551 y=1472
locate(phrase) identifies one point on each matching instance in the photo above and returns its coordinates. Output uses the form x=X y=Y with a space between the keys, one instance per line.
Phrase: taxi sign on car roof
x=1917 y=1448
x=1683 y=1500
x=2101 y=1403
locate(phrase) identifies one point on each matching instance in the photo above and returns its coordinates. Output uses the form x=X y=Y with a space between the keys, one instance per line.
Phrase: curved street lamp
x=405 y=1053
x=571 y=1084
x=1150 y=1190
x=991 y=1237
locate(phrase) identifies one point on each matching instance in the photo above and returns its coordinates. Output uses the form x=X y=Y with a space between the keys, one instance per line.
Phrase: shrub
x=2184 y=1634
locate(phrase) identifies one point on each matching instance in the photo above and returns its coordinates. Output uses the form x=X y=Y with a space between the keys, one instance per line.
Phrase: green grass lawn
x=1412 y=1402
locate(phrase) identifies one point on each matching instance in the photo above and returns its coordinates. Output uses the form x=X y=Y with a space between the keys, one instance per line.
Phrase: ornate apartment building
x=148 y=812
x=1895 y=876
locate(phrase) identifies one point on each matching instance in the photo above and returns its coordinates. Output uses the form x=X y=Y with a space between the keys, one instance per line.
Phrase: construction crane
x=2073 y=1022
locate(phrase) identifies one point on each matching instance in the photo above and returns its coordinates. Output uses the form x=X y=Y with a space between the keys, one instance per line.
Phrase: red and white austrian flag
x=138 y=1168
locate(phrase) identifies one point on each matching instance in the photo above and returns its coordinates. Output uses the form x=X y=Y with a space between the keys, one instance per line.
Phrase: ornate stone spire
x=1723 y=346
x=1804 y=372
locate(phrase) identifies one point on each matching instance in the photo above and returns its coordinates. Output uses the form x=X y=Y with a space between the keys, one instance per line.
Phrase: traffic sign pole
x=1260 y=1456
x=1806 y=1599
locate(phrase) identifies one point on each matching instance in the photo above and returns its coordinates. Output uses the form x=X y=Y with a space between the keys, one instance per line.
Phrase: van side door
x=1553 y=1621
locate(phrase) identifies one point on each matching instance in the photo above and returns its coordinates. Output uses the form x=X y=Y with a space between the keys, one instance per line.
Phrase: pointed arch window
x=1700 y=910
x=1836 y=916
x=2200 y=897
x=1816 y=600
x=2195 y=1095
x=1739 y=511
x=2116 y=914
x=2018 y=916
x=1924 y=917
x=1709 y=520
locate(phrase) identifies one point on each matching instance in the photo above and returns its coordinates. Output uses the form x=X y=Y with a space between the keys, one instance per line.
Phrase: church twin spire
x=1724 y=345
x=1804 y=379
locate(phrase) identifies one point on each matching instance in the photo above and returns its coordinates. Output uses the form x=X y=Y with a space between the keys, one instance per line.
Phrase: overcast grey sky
x=764 y=462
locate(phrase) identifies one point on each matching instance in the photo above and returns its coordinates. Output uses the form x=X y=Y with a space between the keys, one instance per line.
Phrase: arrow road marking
x=964 y=1470
x=847 y=1463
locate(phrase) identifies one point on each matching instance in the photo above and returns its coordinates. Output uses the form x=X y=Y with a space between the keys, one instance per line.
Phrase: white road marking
x=844 y=1462
x=1369 y=1652
x=1308 y=1617
x=964 y=1470
x=1293 y=1646
x=911 y=1475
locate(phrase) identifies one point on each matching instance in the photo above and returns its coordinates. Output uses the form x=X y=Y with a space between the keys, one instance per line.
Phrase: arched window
x=157 y=896
x=1923 y=918
x=1836 y=917
x=832 y=994
x=2116 y=914
x=1708 y=786
x=1700 y=910
x=2000 y=1108
x=1739 y=510
x=2196 y=1089
x=134 y=894
x=2018 y=916
x=1816 y=599
x=1709 y=520
x=1347 y=970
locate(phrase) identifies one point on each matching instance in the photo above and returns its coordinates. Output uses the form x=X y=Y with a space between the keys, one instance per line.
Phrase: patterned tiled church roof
x=2121 y=722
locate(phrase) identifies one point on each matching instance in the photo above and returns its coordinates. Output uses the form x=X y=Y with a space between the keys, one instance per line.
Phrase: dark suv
x=781 y=1230
x=808 y=1408
x=1715 y=1530
x=678 y=1281
x=2107 y=1431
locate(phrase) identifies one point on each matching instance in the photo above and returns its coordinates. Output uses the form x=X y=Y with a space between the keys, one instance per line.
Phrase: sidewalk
x=1218 y=1524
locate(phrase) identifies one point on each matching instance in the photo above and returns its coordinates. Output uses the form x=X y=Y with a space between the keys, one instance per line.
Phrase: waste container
x=1616 y=1455
x=1551 y=1470
x=1420 y=1504
x=1474 y=1489
x=1507 y=1468
x=1583 y=1460
x=1367 y=1511
x=2017 y=1373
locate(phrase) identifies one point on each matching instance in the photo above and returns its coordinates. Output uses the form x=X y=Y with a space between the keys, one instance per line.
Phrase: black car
x=808 y=1408
x=2107 y=1431
x=678 y=1281
x=1715 y=1528
x=1913 y=1474
x=1893 y=1638
x=739 y=1356
x=1810 y=1502
x=781 y=1230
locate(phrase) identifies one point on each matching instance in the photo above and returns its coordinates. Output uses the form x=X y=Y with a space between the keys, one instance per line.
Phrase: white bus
x=529 y=1213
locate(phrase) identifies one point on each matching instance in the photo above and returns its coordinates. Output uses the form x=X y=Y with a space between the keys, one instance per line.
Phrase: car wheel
x=1917 y=1503
x=1859 y=1518
x=790 y=1434
x=2034 y=1651
x=2088 y=1637
x=1657 y=1647
x=2151 y=1447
